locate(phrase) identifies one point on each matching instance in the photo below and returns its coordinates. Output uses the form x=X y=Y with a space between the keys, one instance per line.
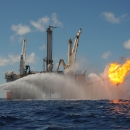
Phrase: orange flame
x=118 y=72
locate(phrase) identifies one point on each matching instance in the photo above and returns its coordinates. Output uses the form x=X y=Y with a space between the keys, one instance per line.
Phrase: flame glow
x=118 y=72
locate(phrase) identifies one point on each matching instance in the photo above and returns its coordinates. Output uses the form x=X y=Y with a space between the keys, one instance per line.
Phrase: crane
x=71 y=52
x=24 y=69
x=23 y=59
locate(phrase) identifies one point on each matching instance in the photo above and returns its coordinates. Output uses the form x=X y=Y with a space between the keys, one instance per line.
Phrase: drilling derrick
x=49 y=61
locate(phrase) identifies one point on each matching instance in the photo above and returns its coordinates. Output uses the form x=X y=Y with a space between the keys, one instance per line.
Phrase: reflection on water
x=120 y=106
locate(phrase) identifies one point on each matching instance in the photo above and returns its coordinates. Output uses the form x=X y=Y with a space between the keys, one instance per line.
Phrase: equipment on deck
x=71 y=52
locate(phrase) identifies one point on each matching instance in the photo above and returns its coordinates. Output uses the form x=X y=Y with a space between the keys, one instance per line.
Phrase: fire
x=118 y=72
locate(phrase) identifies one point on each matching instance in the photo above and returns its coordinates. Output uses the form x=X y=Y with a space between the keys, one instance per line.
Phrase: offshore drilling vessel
x=24 y=69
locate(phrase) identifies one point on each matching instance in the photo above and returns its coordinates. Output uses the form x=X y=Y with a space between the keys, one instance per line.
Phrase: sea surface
x=64 y=114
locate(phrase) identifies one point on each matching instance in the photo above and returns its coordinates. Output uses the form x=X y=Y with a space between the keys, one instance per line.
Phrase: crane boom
x=24 y=51
x=63 y=63
x=75 y=47
x=23 y=59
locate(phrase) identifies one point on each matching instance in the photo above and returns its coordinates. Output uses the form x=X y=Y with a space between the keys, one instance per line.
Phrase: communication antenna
x=52 y=27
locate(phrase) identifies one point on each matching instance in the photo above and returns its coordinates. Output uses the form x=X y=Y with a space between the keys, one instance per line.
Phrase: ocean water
x=64 y=114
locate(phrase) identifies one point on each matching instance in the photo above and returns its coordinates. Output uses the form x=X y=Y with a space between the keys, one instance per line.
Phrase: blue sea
x=64 y=114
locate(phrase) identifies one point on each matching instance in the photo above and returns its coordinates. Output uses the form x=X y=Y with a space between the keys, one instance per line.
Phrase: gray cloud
x=126 y=44
x=20 y=29
x=110 y=17
x=106 y=55
x=41 y=23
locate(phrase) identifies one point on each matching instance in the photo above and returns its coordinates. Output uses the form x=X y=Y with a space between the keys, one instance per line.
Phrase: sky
x=105 y=36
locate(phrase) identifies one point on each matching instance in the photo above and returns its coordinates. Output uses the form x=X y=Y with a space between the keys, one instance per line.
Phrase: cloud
x=3 y=61
x=9 y=60
x=12 y=59
x=19 y=39
x=31 y=59
x=126 y=44
x=106 y=55
x=110 y=17
x=42 y=47
x=20 y=29
x=41 y=23
x=55 y=20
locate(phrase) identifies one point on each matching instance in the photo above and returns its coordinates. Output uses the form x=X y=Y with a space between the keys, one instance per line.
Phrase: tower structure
x=49 y=61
